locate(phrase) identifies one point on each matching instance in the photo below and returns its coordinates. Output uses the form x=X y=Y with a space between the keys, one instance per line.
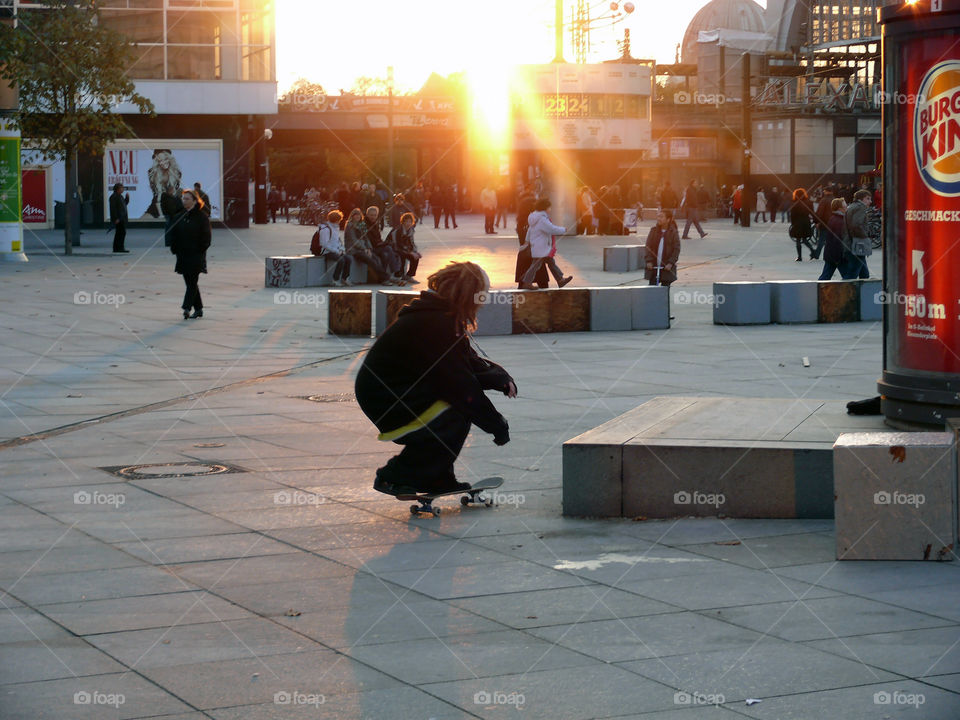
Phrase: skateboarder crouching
x=422 y=384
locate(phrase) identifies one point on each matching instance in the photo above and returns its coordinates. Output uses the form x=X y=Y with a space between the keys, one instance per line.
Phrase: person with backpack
x=327 y=243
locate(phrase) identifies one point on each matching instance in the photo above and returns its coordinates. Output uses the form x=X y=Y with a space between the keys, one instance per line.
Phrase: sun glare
x=489 y=87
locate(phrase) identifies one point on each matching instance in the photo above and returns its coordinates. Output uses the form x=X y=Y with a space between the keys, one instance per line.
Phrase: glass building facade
x=840 y=21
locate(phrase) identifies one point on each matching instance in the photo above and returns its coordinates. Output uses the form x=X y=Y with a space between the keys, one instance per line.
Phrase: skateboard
x=471 y=496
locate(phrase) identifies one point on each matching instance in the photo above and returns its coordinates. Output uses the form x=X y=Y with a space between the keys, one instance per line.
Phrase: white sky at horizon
x=332 y=42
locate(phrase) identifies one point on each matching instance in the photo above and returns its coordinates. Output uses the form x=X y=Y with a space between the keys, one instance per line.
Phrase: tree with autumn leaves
x=70 y=72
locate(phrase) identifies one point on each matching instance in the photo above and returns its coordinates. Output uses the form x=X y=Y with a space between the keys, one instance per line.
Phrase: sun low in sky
x=332 y=42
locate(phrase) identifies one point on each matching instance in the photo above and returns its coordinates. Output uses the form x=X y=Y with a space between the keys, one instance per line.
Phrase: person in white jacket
x=332 y=246
x=540 y=232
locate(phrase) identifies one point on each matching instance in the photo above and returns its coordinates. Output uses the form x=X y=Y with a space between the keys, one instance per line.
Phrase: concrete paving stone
x=249 y=637
x=563 y=606
x=374 y=531
x=55 y=559
x=865 y=702
x=643 y=564
x=712 y=712
x=694 y=531
x=464 y=657
x=40 y=533
x=96 y=584
x=423 y=555
x=181 y=488
x=115 y=528
x=58 y=699
x=942 y=602
x=564 y=694
x=64 y=657
x=771 y=551
x=229 y=683
x=947 y=682
x=215 y=574
x=294 y=516
x=167 y=551
x=445 y=583
x=822 y=618
x=138 y=613
x=401 y=620
x=274 y=599
x=757 y=671
x=23 y=624
x=728 y=587
x=401 y=702
x=913 y=653
x=867 y=578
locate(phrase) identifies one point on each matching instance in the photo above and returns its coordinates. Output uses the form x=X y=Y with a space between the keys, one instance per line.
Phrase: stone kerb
x=896 y=496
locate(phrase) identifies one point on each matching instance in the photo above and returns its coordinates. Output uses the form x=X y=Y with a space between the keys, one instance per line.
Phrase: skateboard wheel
x=465 y=501
x=414 y=509
x=436 y=512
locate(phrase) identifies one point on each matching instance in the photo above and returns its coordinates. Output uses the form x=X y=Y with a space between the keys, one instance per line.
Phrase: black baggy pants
x=191 y=298
x=426 y=461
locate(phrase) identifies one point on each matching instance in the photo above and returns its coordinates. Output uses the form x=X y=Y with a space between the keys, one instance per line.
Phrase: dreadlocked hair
x=461 y=284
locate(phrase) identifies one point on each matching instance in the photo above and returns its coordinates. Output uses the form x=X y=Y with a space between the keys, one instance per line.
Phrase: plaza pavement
x=287 y=588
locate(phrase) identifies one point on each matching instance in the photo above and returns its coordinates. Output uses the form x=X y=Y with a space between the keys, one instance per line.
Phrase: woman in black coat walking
x=191 y=238
x=801 y=228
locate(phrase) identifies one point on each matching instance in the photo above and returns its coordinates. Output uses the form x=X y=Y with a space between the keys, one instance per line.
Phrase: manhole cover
x=170 y=470
x=334 y=398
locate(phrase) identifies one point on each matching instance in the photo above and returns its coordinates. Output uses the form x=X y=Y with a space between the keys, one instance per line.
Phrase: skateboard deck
x=471 y=496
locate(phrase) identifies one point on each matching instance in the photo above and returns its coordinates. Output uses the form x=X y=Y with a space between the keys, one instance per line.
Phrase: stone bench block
x=495 y=316
x=895 y=496
x=288 y=271
x=611 y=308
x=741 y=303
x=388 y=304
x=871 y=300
x=838 y=301
x=650 y=307
x=350 y=312
x=319 y=271
x=793 y=301
x=623 y=258
x=546 y=311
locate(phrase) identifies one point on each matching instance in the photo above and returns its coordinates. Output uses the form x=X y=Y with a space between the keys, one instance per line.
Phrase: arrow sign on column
x=917 y=267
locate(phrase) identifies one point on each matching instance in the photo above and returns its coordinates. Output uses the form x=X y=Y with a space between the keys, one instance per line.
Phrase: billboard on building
x=583 y=107
x=146 y=167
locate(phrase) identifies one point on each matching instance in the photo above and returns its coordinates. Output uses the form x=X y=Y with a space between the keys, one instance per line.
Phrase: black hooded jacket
x=420 y=359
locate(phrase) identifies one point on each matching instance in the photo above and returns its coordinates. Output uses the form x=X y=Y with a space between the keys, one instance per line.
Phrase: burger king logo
x=936 y=129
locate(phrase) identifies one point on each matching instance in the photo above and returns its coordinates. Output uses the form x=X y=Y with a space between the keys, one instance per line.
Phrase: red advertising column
x=921 y=123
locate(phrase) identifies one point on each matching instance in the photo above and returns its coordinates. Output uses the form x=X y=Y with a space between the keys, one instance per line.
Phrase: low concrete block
x=622 y=258
x=495 y=316
x=533 y=314
x=570 y=310
x=871 y=300
x=895 y=496
x=793 y=301
x=838 y=301
x=650 y=307
x=388 y=305
x=286 y=271
x=741 y=303
x=319 y=271
x=349 y=312
x=358 y=273
x=611 y=308
x=591 y=479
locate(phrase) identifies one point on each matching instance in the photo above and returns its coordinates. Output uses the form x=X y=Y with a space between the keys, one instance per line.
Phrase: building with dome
x=740 y=16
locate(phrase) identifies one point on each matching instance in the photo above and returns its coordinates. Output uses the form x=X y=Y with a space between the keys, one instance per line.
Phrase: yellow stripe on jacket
x=418 y=422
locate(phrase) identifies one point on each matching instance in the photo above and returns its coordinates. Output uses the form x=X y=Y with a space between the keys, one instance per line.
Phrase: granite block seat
x=623 y=258
x=741 y=303
x=732 y=457
x=896 y=495
x=286 y=271
x=793 y=301
x=871 y=300
x=350 y=312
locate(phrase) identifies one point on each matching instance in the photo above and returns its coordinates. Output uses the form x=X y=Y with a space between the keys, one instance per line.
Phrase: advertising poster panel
x=924 y=294
x=146 y=167
x=11 y=238
x=35 y=196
